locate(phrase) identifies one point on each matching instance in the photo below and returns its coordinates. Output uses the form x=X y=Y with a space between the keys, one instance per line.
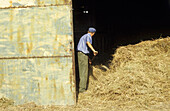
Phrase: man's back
x=82 y=46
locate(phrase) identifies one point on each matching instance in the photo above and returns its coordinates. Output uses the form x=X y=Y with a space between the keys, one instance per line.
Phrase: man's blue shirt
x=82 y=46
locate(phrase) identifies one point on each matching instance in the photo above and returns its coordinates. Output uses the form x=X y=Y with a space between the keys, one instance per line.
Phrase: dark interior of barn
x=121 y=22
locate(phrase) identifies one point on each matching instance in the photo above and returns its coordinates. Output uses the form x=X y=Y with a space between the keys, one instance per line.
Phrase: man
x=83 y=48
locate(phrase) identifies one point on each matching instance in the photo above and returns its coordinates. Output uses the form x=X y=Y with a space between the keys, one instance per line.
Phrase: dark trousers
x=83 y=71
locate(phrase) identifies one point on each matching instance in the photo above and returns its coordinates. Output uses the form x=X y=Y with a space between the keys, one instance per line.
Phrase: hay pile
x=139 y=77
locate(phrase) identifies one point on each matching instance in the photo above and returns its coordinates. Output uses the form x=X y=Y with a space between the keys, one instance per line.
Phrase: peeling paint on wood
x=27 y=3
x=35 y=31
x=37 y=53
x=45 y=83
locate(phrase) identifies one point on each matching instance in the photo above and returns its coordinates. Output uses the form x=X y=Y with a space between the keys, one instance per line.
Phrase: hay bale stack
x=139 y=77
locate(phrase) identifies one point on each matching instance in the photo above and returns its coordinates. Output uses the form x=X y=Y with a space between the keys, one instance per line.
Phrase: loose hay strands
x=139 y=77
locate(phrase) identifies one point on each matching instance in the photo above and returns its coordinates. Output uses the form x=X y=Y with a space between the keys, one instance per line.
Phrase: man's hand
x=95 y=53
x=91 y=47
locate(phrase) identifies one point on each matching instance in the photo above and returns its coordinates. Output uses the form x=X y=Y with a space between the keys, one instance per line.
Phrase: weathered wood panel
x=27 y=3
x=43 y=81
x=37 y=31
x=37 y=53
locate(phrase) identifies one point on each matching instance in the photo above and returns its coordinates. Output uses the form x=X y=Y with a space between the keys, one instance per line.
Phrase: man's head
x=92 y=31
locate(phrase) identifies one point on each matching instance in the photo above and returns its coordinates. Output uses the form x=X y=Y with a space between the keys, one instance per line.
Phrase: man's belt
x=83 y=53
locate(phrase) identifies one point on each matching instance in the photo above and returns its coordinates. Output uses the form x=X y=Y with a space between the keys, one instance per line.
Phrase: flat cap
x=92 y=30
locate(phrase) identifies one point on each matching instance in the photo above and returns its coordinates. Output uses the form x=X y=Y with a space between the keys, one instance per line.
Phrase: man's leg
x=83 y=71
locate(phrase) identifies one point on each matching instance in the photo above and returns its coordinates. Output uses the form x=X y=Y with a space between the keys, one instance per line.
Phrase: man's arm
x=91 y=47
